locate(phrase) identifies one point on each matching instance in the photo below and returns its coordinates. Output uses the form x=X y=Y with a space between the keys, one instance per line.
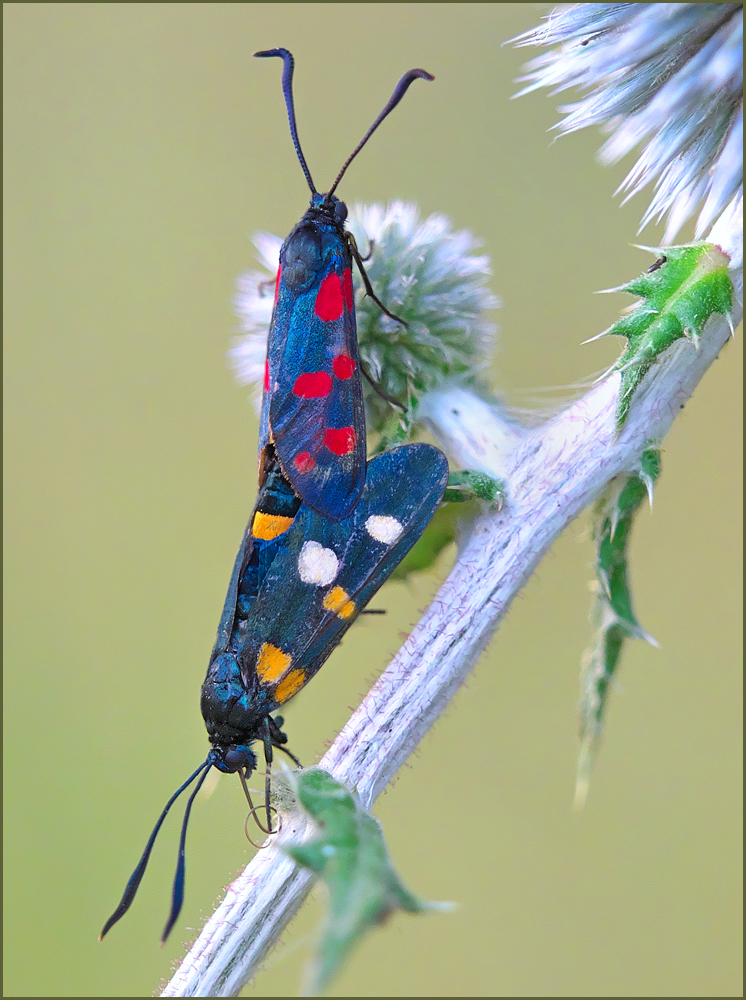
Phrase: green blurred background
x=143 y=147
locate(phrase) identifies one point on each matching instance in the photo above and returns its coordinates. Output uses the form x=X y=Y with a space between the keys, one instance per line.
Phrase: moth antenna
x=177 y=894
x=287 y=90
x=136 y=878
x=399 y=91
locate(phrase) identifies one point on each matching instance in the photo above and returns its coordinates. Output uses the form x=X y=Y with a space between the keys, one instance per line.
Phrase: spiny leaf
x=679 y=293
x=615 y=621
x=469 y=484
x=350 y=855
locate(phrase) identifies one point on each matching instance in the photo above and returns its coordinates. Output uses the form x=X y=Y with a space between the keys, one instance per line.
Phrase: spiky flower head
x=668 y=75
x=423 y=272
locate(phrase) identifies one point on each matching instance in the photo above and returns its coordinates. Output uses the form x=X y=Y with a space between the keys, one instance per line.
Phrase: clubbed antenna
x=287 y=89
x=399 y=91
x=134 y=882
x=177 y=894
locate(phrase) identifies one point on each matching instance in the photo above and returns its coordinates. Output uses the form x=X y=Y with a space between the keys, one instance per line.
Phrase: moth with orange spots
x=312 y=408
x=299 y=582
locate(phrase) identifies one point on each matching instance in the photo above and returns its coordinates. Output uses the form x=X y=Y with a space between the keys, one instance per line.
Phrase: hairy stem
x=553 y=473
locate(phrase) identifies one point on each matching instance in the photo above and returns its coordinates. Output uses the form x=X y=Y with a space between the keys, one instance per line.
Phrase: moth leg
x=369 y=254
x=279 y=738
x=376 y=387
x=243 y=774
x=290 y=755
x=366 y=281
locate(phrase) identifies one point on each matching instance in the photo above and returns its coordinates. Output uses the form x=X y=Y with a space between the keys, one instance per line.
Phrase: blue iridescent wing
x=313 y=402
x=325 y=572
x=228 y=617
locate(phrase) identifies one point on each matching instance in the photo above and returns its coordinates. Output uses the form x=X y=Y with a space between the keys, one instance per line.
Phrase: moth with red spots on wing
x=312 y=409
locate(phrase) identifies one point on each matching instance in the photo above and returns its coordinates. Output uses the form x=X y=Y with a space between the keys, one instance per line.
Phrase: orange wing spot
x=338 y=600
x=340 y=440
x=272 y=663
x=329 y=302
x=347 y=288
x=269 y=526
x=287 y=687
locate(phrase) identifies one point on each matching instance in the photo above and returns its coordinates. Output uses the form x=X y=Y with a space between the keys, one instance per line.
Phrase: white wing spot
x=317 y=564
x=383 y=528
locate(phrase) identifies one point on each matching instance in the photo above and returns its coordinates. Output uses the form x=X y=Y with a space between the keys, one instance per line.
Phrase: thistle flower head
x=665 y=75
x=423 y=272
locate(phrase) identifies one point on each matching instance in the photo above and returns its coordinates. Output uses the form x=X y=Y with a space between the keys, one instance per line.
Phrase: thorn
x=582 y=787
x=603 y=579
x=604 y=375
x=608 y=291
x=604 y=333
x=729 y=317
x=614 y=524
x=649 y=484
x=649 y=639
x=642 y=246
x=630 y=364
x=692 y=335
x=583 y=773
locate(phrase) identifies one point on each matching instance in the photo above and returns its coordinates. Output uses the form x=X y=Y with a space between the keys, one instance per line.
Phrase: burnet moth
x=312 y=408
x=299 y=582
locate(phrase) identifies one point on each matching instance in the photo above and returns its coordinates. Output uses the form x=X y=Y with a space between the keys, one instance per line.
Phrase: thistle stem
x=553 y=473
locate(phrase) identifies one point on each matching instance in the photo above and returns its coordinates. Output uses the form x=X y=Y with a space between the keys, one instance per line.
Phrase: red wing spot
x=329 y=301
x=266 y=375
x=304 y=461
x=340 y=440
x=347 y=289
x=313 y=385
x=343 y=366
x=277 y=284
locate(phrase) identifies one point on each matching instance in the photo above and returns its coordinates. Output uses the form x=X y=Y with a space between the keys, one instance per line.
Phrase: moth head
x=331 y=206
x=233 y=757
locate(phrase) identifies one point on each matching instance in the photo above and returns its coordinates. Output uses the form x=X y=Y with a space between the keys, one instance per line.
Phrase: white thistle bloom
x=669 y=75
x=424 y=272
x=253 y=303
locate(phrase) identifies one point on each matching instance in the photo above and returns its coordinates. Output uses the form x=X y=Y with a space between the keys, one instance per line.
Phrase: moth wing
x=228 y=616
x=327 y=571
x=315 y=413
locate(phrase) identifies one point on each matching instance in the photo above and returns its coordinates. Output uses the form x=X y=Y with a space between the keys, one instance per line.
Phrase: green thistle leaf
x=613 y=517
x=679 y=293
x=470 y=484
x=350 y=856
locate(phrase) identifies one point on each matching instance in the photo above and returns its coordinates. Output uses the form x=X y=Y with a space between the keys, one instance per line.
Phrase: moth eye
x=238 y=757
x=340 y=212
